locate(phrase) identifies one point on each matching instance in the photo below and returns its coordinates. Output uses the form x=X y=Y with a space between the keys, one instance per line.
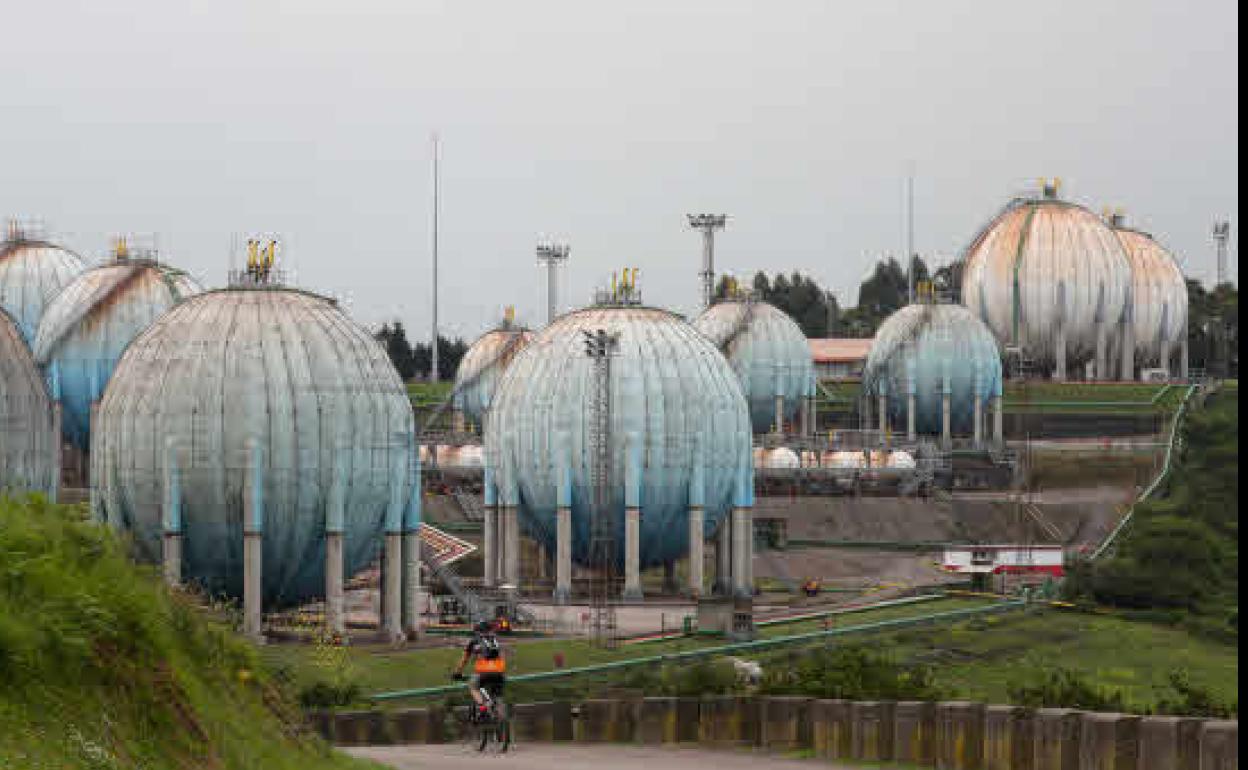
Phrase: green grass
x=103 y=668
x=427 y=394
x=1101 y=398
x=980 y=659
x=378 y=669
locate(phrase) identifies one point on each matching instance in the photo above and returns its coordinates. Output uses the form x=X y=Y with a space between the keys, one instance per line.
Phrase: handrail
x=685 y=655
x=1161 y=475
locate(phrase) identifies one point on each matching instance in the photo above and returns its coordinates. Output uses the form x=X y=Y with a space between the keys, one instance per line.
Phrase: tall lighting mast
x=1221 y=234
x=433 y=345
x=708 y=224
x=551 y=255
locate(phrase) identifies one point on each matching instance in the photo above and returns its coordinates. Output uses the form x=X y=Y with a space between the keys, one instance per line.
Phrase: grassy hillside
x=102 y=668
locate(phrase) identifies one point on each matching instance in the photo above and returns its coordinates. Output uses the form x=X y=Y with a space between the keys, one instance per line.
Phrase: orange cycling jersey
x=490 y=666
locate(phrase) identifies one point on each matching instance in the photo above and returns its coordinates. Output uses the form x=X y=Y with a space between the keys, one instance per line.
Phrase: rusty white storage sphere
x=30 y=442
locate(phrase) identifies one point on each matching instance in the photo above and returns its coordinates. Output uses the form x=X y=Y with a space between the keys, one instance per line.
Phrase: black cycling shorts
x=489 y=681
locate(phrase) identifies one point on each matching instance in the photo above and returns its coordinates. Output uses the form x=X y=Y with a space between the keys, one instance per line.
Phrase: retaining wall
x=951 y=735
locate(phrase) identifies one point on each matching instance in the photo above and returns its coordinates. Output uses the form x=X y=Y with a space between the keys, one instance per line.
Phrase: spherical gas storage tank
x=482 y=366
x=32 y=272
x=1158 y=296
x=265 y=388
x=679 y=430
x=1042 y=265
x=88 y=324
x=768 y=351
x=30 y=446
x=928 y=349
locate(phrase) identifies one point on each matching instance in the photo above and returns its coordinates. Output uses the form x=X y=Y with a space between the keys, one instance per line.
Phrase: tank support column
x=1164 y=358
x=998 y=432
x=778 y=428
x=807 y=404
x=171 y=544
x=632 y=516
x=1059 y=354
x=697 y=517
x=392 y=564
x=911 y=430
x=54 y=487
x=335 y=521
x=978 y=421
x=743 y=551
x=946 y=408
x=413 y=589
x=1183 y=353
x=723 y=557
x=563 y=525
x=882 y=405
x=1101 y=361
x=489 y=528
x=253 y=545
x=509 y=527
x=1127 y=369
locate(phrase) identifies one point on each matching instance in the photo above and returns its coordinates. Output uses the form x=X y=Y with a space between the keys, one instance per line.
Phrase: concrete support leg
x=335 y=613
x=1128 y=352
x=1101 y=370
x=998 y=422
x=946 y=419
x=392 y=587
x=723 y=557
x=509 y=524
x=632 y=553
x=489 y=545
x=779 y=427
x=171 y=559
x=1164 y=360
x=1183 y=374
x=882 y=402
x=911 y=425
x=54 y=488
x=1059 y=355
x=413 y=590
x=253 y=564
x=977 y=421
x=697 y=518
x=669 y=578
x=743 y=551
x=563 y=555
x=807 y=405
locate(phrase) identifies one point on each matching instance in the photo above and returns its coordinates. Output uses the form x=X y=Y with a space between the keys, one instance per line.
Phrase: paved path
x=572 y=757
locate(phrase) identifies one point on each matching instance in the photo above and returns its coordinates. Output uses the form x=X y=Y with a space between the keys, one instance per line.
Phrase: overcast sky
x=602 y=124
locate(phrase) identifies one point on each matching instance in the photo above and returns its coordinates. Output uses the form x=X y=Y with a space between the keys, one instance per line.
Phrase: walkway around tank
x=544 y=756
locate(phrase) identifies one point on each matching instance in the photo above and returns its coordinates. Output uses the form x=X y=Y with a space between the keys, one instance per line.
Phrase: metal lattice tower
x=708 y=224
x=551 y=255
x=600 y=346
x=1221 y=235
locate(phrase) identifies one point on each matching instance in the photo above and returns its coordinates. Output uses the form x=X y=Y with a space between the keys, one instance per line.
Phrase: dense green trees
x=1213 y=328
x=416 y=360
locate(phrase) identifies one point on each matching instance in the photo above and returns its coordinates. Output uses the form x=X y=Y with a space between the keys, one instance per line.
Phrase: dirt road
x=573 y=757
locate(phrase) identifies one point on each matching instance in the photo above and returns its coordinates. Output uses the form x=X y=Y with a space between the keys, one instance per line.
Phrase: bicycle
x=491 y=728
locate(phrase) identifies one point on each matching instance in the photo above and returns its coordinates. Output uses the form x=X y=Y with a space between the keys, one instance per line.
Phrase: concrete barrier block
x=688 y=717
x=1055 y=740
x=608 y=721
x=1109 y=741
x=1219 y=745
x=361 y=728
x=562 y=724
x=831 y=733
x=1169 y=743
x=411 y=726
x=533 y=722
x=914 y=732
x=784 y=723
x=871 y=730
x=657 y=722
x=1008 y=733
x=729 y=721
x=959 y=735
x=322 y=722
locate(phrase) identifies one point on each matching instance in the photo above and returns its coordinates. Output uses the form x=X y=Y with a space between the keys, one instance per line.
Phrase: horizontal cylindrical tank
x=30 y=446
x=929 y=350
x=447 y=456
x=778 y=458
x=1046 y=271
x=90 y=322
x=483 y=364
x=1158 y=295
x=678 y=434
x=768 y=351
x=32 y=272
x=260 y=399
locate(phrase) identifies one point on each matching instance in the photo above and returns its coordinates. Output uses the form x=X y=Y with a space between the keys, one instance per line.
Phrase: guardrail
x=1161 y=475
x=726 y=649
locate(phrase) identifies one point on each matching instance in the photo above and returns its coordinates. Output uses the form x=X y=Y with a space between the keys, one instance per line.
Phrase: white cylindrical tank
x=32 y=272
x=482 y=366
x=1045 y=268
x=1158 y=295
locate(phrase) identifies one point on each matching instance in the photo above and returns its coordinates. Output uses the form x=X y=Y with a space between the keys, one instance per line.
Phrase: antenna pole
x=433 y=346
x=910 y=234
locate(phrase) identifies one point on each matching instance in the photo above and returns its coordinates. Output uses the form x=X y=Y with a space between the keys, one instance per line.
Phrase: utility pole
x=551 y=255
x=1221 y=235
x=708 y=224
x=433 y=345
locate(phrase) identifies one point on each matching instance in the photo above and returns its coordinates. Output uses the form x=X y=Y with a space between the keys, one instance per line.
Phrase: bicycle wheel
x=502 y=730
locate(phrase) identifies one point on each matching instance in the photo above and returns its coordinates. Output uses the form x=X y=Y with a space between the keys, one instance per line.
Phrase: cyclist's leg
x=474 y=689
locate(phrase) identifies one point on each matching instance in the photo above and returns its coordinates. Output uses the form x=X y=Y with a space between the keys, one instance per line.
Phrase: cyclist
x=489 y=668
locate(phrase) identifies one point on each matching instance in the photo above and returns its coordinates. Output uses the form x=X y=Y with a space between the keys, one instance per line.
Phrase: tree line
x=415 y=361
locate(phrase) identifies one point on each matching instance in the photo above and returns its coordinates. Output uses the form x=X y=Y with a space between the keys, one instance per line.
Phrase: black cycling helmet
x=484 y=627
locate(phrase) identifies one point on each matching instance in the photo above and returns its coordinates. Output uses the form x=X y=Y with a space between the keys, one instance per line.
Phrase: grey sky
x=603 y=123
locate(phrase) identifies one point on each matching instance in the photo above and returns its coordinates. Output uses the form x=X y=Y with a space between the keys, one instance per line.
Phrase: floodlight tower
x=1221 y=235
x=708 y=224
x=551 y=255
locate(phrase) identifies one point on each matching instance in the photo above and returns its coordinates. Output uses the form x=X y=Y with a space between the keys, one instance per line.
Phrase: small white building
x=839 y=358
x=1036 y=561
